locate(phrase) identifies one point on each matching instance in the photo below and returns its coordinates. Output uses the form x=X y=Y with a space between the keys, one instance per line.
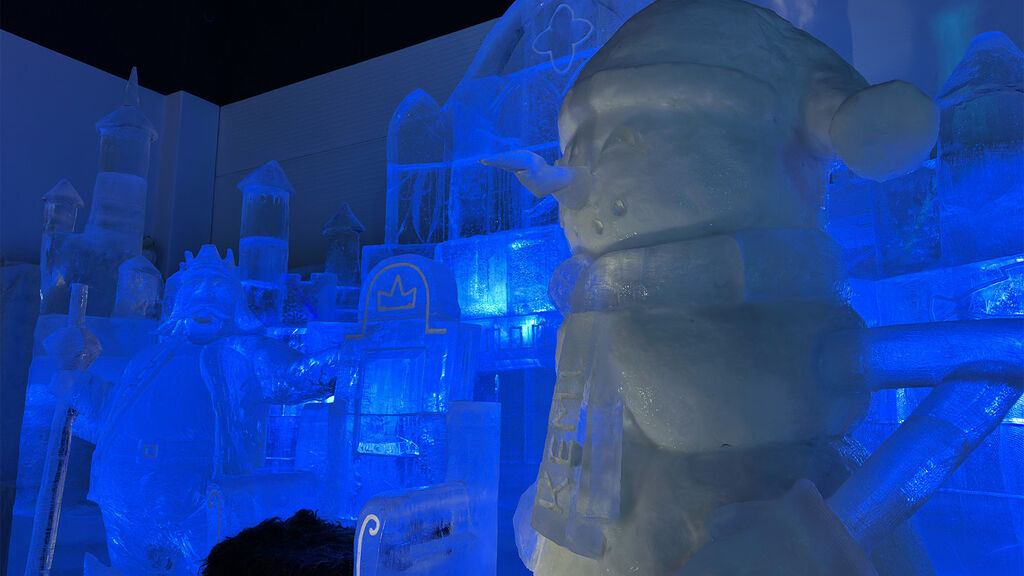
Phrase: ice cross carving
x=565 y=32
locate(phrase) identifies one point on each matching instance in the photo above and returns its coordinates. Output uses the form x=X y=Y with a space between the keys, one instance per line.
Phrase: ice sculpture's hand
x=795 y=534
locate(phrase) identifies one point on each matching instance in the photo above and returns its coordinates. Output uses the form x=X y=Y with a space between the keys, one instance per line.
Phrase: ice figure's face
x=205 y=305
x=672 y=154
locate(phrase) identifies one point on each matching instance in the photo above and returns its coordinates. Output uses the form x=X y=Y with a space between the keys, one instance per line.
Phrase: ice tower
x=119 y=198
x=263 y=246
x=61 y=207
x=117 y=216
x=342 y=233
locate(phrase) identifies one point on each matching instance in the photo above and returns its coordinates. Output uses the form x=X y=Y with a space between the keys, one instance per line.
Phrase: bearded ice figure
x=698 y=297
x=187 y=413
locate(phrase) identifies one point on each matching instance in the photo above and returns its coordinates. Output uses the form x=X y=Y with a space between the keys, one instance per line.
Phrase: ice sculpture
x=312 y=300
x=402 y=439
x=187 y=415
x=263 y=246
x=920 y=253
x=342 y=233
x=139 y=285
x=501 y=243
x=74 y=348
x=446 y=528
x=61 y=207
x=691 y=379
x=113 y=233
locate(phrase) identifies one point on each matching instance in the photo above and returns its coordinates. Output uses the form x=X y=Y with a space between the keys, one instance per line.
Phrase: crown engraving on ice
x=389 y=301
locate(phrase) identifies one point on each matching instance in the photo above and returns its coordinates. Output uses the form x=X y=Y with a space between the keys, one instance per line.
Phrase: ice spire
x=131 y=89
x=61 y=207
x=992 y=63
x=342 y=234
x=270 y=175
x=343 y=221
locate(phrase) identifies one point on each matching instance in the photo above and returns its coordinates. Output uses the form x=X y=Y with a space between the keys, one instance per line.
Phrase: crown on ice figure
x=389 y=301
x=209 y=257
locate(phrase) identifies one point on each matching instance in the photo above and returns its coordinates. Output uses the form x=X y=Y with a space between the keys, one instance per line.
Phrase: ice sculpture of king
x=189 y=411
x=697 y=300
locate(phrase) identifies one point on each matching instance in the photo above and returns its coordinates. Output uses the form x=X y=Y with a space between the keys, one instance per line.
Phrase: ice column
x=263 y=246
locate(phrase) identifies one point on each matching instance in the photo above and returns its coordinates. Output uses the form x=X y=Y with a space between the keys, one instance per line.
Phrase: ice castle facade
x=422 y=339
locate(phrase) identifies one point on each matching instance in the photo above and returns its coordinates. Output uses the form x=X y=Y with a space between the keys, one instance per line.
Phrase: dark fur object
x=302 y=545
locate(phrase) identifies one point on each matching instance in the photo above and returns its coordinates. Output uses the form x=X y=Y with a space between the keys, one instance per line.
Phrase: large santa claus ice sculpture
x=709 y=367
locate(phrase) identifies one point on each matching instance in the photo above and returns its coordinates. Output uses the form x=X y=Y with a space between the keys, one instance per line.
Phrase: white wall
x=329 y=133
x=49 y=104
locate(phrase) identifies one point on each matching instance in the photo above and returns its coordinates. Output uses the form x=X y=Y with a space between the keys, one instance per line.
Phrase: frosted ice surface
x=139 y=287
x=526 y=536
x=885 y=130
x=981 y=173
x=342 y=233
x=263 y=245
x=993 y=63
x=61 y=208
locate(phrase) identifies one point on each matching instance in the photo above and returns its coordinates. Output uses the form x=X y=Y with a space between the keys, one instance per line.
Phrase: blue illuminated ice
x=113 y=233
x=139 y=289
x=981 y=178
x=186 y=422
x=263 y=245
x=688 y=383
x=342 y=233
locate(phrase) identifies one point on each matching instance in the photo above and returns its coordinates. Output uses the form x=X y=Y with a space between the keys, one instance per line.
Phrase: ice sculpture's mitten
x=795 y=534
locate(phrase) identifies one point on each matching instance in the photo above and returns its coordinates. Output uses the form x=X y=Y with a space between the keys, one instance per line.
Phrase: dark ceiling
x=228 y=50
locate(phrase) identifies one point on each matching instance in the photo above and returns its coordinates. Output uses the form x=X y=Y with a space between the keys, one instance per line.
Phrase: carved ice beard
x=205 y=307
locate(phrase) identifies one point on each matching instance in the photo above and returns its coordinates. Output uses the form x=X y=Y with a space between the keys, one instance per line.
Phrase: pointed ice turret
x=119 y=196
x=983 y=99
x=981 y=145
x=342 y=234
x=125 y=134
x=60 y=209
x=263 y=246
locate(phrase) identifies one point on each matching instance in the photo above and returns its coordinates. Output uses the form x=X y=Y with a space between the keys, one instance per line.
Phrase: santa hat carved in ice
x=703 y=117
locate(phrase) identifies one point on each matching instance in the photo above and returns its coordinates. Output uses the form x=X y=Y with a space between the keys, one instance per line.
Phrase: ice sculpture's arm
x=287 y=376
x=978 y=370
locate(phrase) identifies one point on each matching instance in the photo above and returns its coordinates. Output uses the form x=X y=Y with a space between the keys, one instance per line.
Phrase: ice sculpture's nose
x=541 y=178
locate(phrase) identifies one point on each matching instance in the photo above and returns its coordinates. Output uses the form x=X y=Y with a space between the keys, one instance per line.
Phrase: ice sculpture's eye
x=621 y=138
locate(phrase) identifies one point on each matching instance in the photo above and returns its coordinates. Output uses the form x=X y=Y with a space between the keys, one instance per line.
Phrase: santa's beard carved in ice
x=689 y=190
